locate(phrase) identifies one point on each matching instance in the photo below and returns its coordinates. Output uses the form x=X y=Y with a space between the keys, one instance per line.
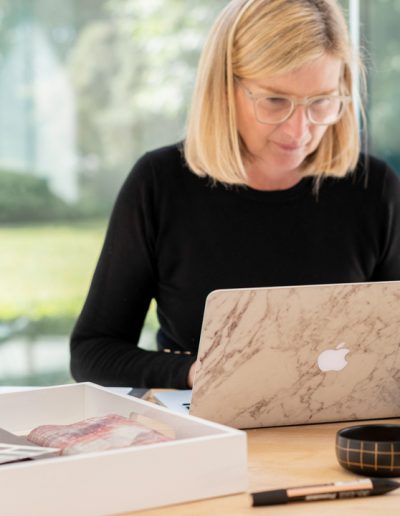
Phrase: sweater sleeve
x=388 y=267
x=104 y=343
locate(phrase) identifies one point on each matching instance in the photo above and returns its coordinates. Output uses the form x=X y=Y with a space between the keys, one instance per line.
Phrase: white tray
x=206 y=459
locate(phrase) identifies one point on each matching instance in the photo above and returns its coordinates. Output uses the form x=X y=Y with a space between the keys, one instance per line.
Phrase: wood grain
x=287 y=457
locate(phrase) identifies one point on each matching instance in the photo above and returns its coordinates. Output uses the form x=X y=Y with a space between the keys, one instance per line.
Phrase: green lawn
x=46 y=269
x=46 y=272
x=45 y=275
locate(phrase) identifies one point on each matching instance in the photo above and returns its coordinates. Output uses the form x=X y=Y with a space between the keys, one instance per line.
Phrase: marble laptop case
x=296 y=355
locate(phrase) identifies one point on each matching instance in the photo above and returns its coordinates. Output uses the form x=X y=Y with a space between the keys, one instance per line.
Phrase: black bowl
x=372 y=450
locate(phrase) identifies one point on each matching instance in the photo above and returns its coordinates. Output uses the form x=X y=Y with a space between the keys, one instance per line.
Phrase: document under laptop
x=295 y=355
x=178 y=401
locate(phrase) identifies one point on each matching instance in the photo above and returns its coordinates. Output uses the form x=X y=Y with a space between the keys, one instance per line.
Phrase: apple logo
x=333 y=359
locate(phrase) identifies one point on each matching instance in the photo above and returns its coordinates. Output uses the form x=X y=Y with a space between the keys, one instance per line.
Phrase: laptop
x=297 y=355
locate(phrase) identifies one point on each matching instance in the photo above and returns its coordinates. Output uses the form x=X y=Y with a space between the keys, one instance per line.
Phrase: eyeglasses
x=275 y=109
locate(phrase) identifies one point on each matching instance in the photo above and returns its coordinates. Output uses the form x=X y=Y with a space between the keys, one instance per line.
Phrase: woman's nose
x=298 y=125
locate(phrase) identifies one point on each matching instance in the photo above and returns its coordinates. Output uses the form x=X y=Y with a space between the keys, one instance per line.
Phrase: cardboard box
x=205 y=460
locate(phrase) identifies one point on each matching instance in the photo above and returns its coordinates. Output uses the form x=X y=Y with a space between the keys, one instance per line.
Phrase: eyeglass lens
x=322 y=110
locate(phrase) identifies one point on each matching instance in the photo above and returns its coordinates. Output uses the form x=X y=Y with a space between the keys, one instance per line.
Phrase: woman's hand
x=191 y=374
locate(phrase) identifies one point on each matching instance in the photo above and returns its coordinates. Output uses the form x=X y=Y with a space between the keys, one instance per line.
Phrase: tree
x=381 y=22
x=7 y=17
x=133 y=73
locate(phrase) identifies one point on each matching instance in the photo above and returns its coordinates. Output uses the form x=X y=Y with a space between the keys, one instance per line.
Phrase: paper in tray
x=16 y=448
x=15 y=453
x=9 y=438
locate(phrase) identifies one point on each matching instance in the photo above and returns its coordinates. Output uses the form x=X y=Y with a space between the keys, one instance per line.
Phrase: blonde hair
x=252 y=39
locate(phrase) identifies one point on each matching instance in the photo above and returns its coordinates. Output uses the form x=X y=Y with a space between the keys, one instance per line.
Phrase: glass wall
x=85 y=89
x=380 y=24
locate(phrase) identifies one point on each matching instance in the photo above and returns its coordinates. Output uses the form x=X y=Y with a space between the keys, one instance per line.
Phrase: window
x=85 y=89
x=380 y=22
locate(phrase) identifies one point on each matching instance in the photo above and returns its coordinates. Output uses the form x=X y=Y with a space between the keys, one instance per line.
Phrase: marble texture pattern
x=258 y=355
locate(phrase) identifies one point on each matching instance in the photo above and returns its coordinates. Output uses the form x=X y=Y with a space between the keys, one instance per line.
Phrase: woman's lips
x=289 y=148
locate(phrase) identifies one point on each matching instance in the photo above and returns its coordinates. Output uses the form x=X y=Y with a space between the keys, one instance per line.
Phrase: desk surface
x=290 y=456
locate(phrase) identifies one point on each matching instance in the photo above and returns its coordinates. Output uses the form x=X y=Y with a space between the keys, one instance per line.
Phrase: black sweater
x=175 y=237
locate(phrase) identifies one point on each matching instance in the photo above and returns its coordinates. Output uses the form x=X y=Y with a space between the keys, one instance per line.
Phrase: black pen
x=332 y=491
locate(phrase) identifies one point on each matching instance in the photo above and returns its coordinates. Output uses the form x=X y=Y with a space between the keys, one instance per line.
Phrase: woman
x=268 y=189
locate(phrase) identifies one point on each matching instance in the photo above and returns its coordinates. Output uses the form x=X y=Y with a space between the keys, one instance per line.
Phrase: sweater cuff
x=181 y=372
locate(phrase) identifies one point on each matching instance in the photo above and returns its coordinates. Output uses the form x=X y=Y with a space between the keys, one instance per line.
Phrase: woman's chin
x=287 y=164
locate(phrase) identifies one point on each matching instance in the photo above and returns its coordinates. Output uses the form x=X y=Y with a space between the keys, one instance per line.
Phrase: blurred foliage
x=132 y=64
x=381 y=22
x=27 y=197
x=5 y=22
x=133 y=74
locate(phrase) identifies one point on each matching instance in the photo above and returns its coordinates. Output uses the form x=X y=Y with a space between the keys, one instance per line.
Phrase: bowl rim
x=343 y=432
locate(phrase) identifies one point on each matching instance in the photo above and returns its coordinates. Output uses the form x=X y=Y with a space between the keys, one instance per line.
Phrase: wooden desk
x=290 y=456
